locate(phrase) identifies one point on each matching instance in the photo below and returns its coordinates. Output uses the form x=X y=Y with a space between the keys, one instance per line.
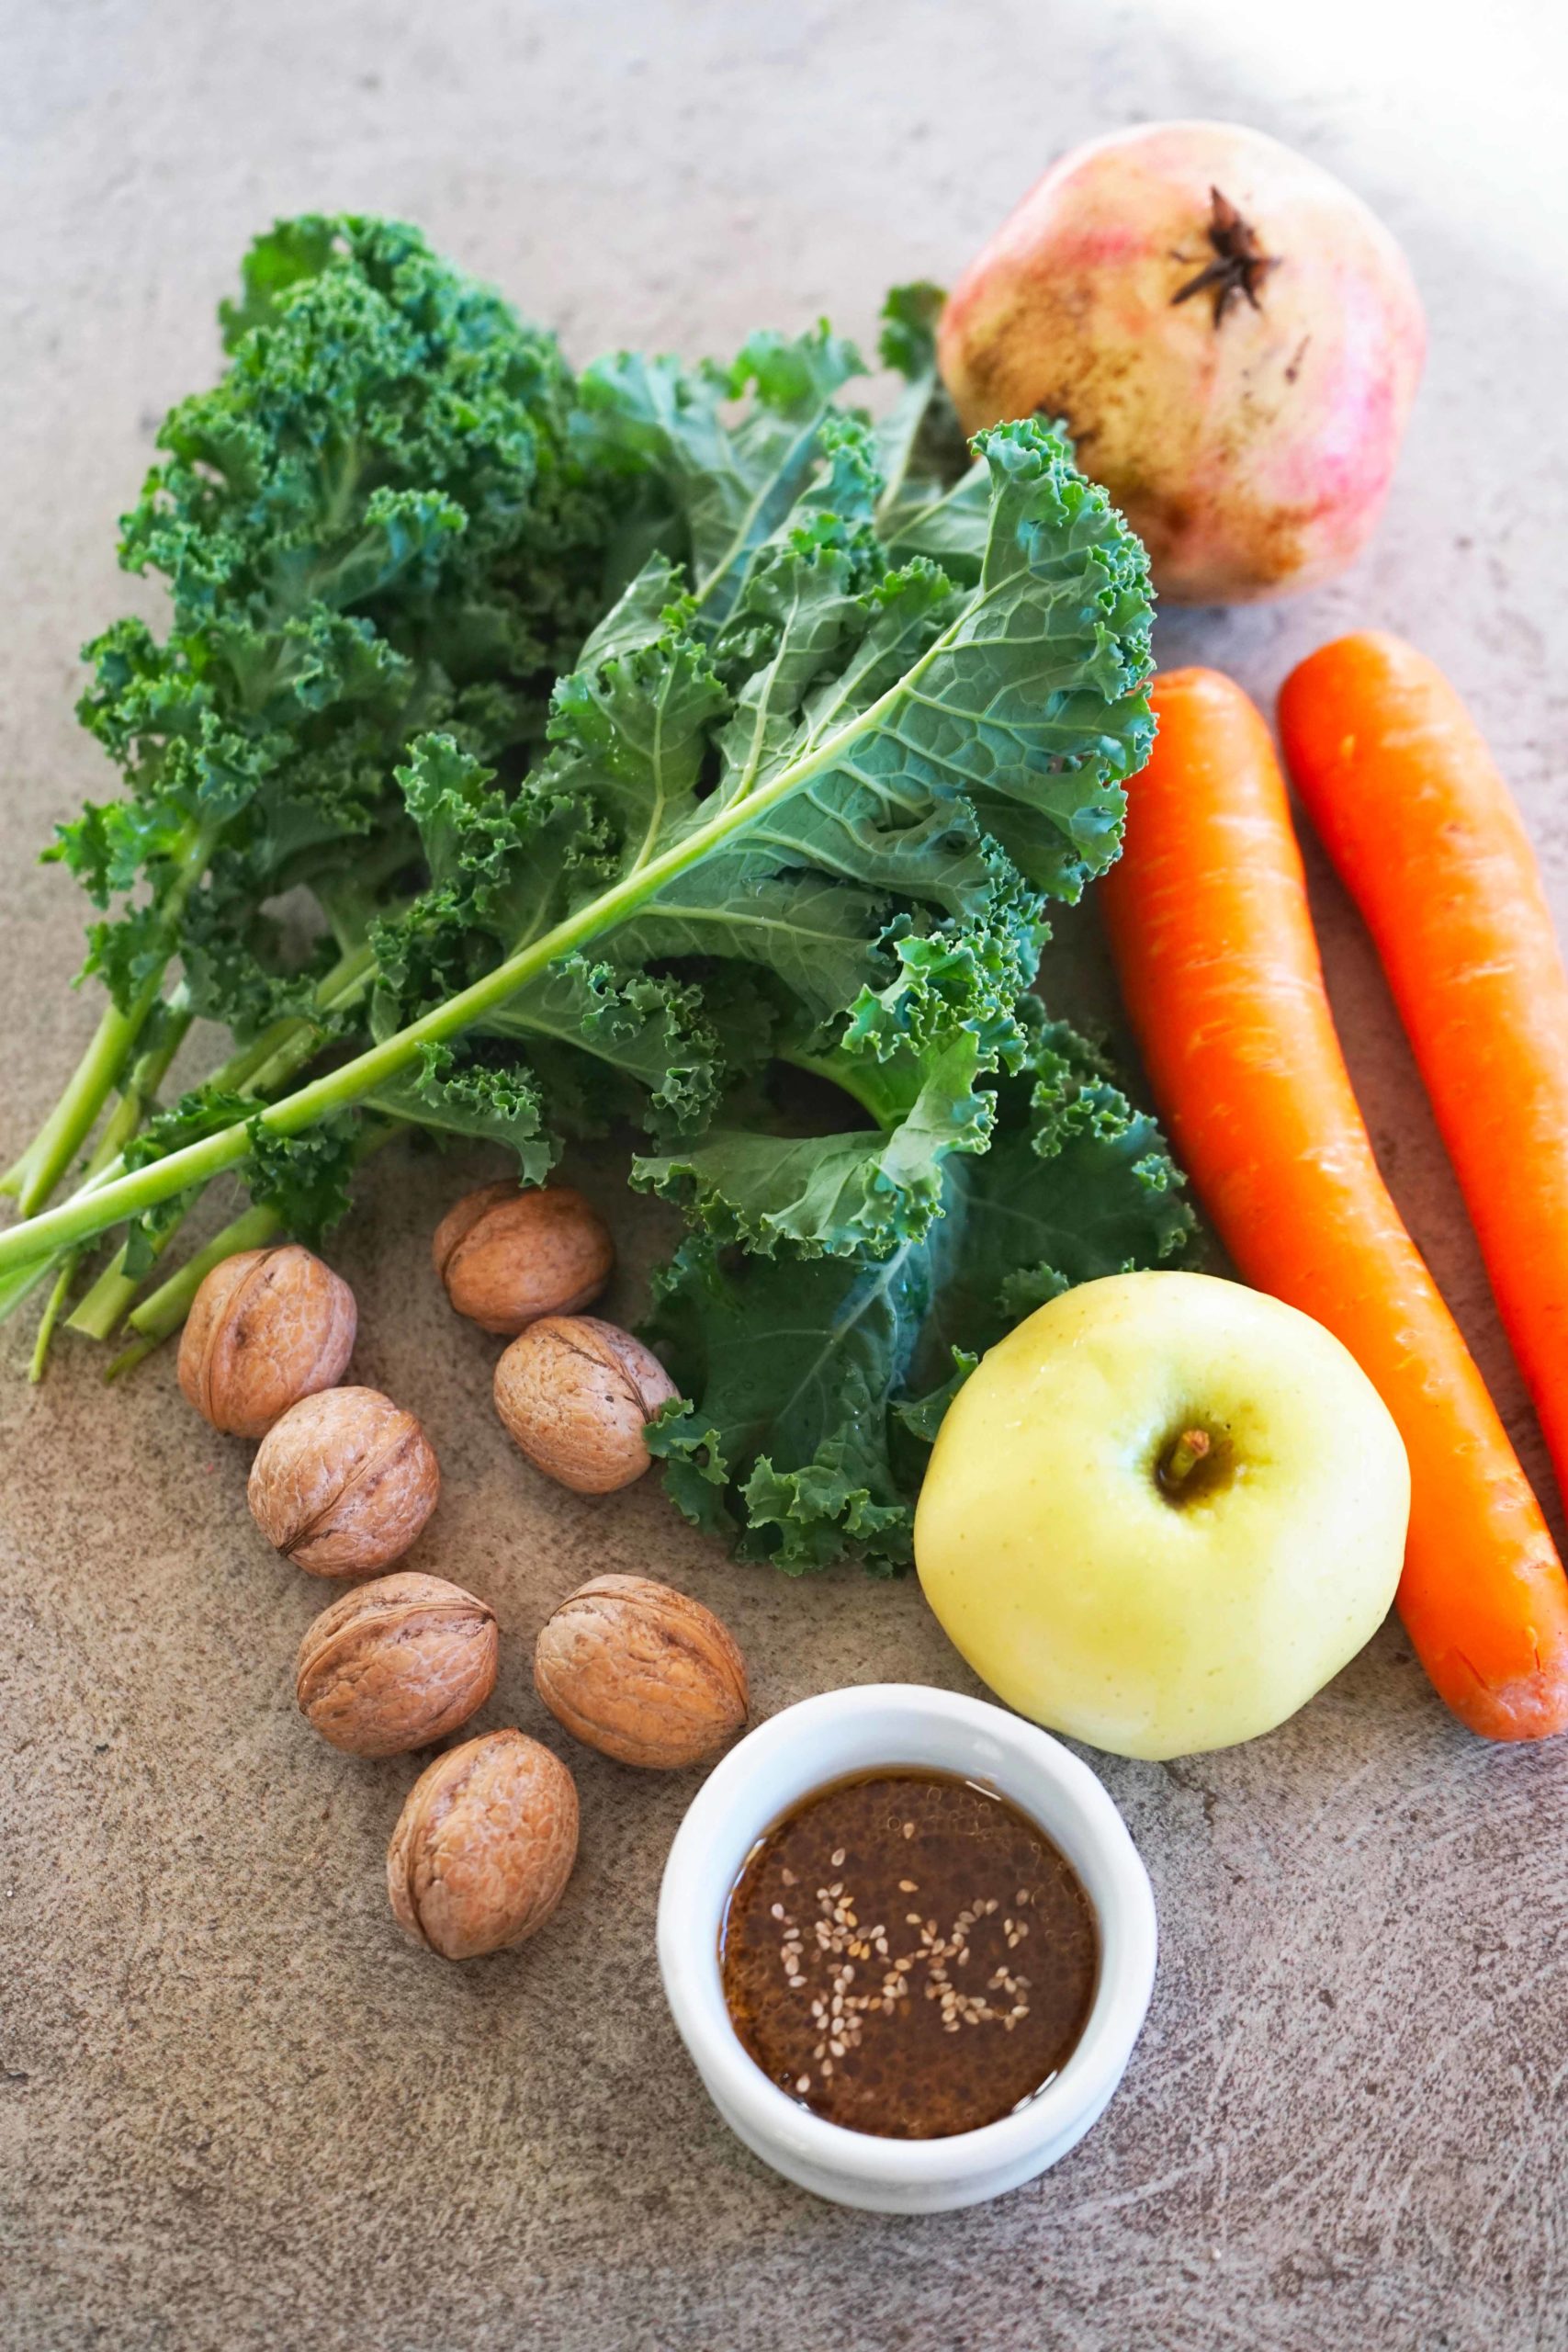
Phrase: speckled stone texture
x=236 y=2109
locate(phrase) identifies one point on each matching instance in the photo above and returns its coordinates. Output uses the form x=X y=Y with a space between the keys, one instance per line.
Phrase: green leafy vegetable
x=371 y=526
x=841 y=714
x=815 y=1389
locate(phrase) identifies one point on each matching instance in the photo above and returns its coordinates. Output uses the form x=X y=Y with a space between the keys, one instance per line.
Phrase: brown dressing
x=907 y=1954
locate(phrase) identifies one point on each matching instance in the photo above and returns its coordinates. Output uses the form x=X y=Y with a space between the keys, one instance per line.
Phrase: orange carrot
x=1213 y=942
x=1410 y=806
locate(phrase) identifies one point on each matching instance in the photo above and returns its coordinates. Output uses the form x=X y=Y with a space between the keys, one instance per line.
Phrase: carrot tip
x=1527 y=1706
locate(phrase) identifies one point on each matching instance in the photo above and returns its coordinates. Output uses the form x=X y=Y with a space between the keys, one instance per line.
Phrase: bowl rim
x=696 y=1886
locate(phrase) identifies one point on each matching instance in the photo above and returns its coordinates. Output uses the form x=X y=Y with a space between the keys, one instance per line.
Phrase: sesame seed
x=907 y=1887
x=778 y=1911
x=909 y=1829
x=804 y=2083
x=838 y=1858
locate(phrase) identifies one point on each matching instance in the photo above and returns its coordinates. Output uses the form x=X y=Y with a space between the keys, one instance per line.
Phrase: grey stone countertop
x=236 y=2110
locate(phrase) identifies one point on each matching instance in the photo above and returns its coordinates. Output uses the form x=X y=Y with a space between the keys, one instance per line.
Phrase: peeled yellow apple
x=1162 y=1513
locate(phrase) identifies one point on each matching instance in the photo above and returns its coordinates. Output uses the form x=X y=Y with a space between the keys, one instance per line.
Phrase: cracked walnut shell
x=396 y=1665
x=344 y=1483
x=266 y=1327
x=576 y=1395
x=642 y=1672
x=484 y=1846
x=507 y=1257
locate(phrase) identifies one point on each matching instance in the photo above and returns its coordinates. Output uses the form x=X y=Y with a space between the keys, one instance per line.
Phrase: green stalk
x=99 y=1314
x=57 y=1298
x=289 y=1044
x=78 y=1220
x=146 y=1076
x=129 y=1358
x=35 y=1175
x=161 y=1314
x=77 y=1107
x=267 y=1062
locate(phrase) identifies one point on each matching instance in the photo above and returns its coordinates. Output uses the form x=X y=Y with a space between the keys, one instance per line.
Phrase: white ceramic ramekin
x=856 y=1731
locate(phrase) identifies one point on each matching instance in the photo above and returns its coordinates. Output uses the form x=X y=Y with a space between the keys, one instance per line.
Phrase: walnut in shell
x=508 y=1257
x=266 y=1327
x=396 y=1663
x=576 y=1395
x=484 y=1846
x=344 y=1482
x=642 y=1672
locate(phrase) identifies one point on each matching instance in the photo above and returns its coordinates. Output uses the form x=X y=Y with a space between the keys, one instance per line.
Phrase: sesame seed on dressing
x=909 y=2024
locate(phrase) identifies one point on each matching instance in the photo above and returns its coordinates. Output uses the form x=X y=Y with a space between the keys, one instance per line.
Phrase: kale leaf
x=813 y=1389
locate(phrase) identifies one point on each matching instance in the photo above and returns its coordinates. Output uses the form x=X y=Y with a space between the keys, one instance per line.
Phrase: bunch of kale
x=838 y=712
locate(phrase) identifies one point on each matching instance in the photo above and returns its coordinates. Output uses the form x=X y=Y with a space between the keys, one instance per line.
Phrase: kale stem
x=33 y=1177
x=146 y=1076
x=50 y=1316
x=287 y=1046
x=46 y=1158
x=265 y=1063
x=100 y=1313
x=160 y=1315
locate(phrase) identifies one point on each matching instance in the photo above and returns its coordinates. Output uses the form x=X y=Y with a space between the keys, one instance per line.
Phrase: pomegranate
x=1232 y=337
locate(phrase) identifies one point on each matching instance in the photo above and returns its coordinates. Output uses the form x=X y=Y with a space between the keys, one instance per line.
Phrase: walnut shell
x=642 y=1672
x=484 y=1846
x=576 y=1395
x=266 y=1327
x=508 y=1257
x=344 y=1483
x=396 y=1663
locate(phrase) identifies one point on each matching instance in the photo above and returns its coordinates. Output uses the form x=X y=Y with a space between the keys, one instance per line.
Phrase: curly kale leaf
x=935 y=500
x=852 y=798
x=814 y=1387
x=709 y=493
x=304 y=1179
x=372 y=526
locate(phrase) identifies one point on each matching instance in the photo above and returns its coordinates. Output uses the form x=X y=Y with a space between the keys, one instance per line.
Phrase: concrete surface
x=235 y=2109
